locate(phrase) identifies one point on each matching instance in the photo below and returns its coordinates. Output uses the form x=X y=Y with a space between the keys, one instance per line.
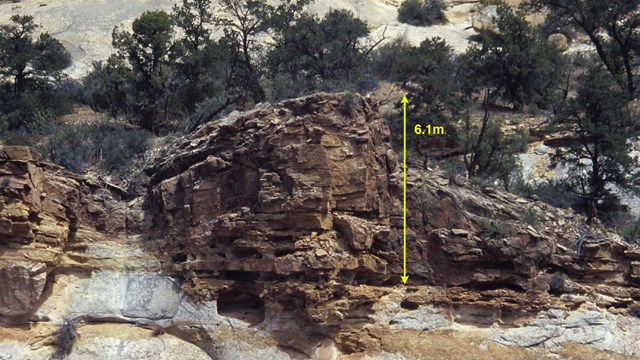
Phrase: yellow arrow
x=404 y=201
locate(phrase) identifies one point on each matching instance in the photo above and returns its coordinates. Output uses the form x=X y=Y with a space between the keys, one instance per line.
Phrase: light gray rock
x=203 y=314
x=592 y=328
x=383 y=355
x=425 y=317
x=559 y=41
x=92 y=346
x=150 y=297
x=241 y=350
x=484 y=20
x=10 y=350
x=541 y=150
x=473 y=314
x=110 y=294
x=596 y=329
x=101 y=296
x=524 y=337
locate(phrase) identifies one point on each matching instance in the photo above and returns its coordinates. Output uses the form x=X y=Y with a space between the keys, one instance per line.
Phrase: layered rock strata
x=279 y=231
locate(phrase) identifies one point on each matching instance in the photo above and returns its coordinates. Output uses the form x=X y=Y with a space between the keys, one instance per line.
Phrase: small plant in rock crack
x=493 y=228
x=531 y=217
x=348 y=104
x=556 y=283
x=64 y=339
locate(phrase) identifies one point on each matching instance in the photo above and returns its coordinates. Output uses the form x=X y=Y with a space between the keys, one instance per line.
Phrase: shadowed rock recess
x=277 y=234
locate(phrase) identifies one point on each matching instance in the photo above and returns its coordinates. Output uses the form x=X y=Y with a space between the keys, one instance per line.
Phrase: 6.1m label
x=428 y=129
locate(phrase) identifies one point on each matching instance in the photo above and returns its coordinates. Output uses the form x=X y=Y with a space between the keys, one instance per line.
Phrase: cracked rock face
x=278 y=192
x=278 y=232
x=22 y=284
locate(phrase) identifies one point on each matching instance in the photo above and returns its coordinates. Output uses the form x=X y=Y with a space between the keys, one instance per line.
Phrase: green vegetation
x=428 y=74
x=147 y=51
x=110 y=146
x=422 y=12
x=531 y=217
x=515 y=64
x=30 y=68
x=488 y=152
x=612 y=28
x=630 y=230
x=551 y=192
x=157 y=79
x=322 y=54
x=600 y=118
x=493 y=228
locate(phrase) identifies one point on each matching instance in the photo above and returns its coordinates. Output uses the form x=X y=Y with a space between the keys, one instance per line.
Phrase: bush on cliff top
x=422 y=12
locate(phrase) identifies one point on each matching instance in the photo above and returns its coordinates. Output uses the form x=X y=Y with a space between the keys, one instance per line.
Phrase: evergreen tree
x=148 y=51
x=29 y=70
x=612 y=28
x=600 y=118
x=515 y=61
x=318 y=52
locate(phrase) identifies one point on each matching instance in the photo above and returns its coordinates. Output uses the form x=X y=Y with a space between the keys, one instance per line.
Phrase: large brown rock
x=258 y=194
x=22 y=284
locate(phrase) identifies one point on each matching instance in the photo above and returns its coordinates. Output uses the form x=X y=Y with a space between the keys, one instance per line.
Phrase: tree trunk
x=148 y=119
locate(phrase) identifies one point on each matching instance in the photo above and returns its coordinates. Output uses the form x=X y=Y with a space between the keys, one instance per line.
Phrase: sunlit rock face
x=278 y=232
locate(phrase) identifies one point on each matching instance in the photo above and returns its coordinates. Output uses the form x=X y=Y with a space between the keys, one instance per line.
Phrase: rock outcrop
x=279 y=232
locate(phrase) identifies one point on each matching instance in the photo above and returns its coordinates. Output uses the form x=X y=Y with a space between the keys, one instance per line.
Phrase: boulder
x=484 y=19
x=22 y=284
x=559 y=41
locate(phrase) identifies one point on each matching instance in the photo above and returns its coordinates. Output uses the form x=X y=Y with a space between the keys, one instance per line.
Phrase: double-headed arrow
x=404 y=276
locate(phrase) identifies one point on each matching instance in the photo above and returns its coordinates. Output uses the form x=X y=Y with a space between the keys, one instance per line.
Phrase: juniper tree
x=600 y=118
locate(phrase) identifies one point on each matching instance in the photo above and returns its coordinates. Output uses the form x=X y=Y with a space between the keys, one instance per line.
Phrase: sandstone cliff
x=277 y=234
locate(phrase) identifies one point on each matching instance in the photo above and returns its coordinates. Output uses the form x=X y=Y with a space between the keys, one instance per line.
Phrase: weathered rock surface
x=559 y=41
x=278 y=232
x=22 y=285
x=485 y=18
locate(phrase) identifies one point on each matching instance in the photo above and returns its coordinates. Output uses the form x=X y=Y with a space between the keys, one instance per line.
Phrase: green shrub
x=68 y=147
x=109 y=146
x=451 y=169
x=283 y=86
x=323 y=54
x=348 y=103
x=8 y=137
x=531 y=217
x=117 y=146
x=515 y=62
x=493 y=228
x=34 y=112
x=551 y=192
x=393 y=60
x=422 y=12
x=627 y=226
